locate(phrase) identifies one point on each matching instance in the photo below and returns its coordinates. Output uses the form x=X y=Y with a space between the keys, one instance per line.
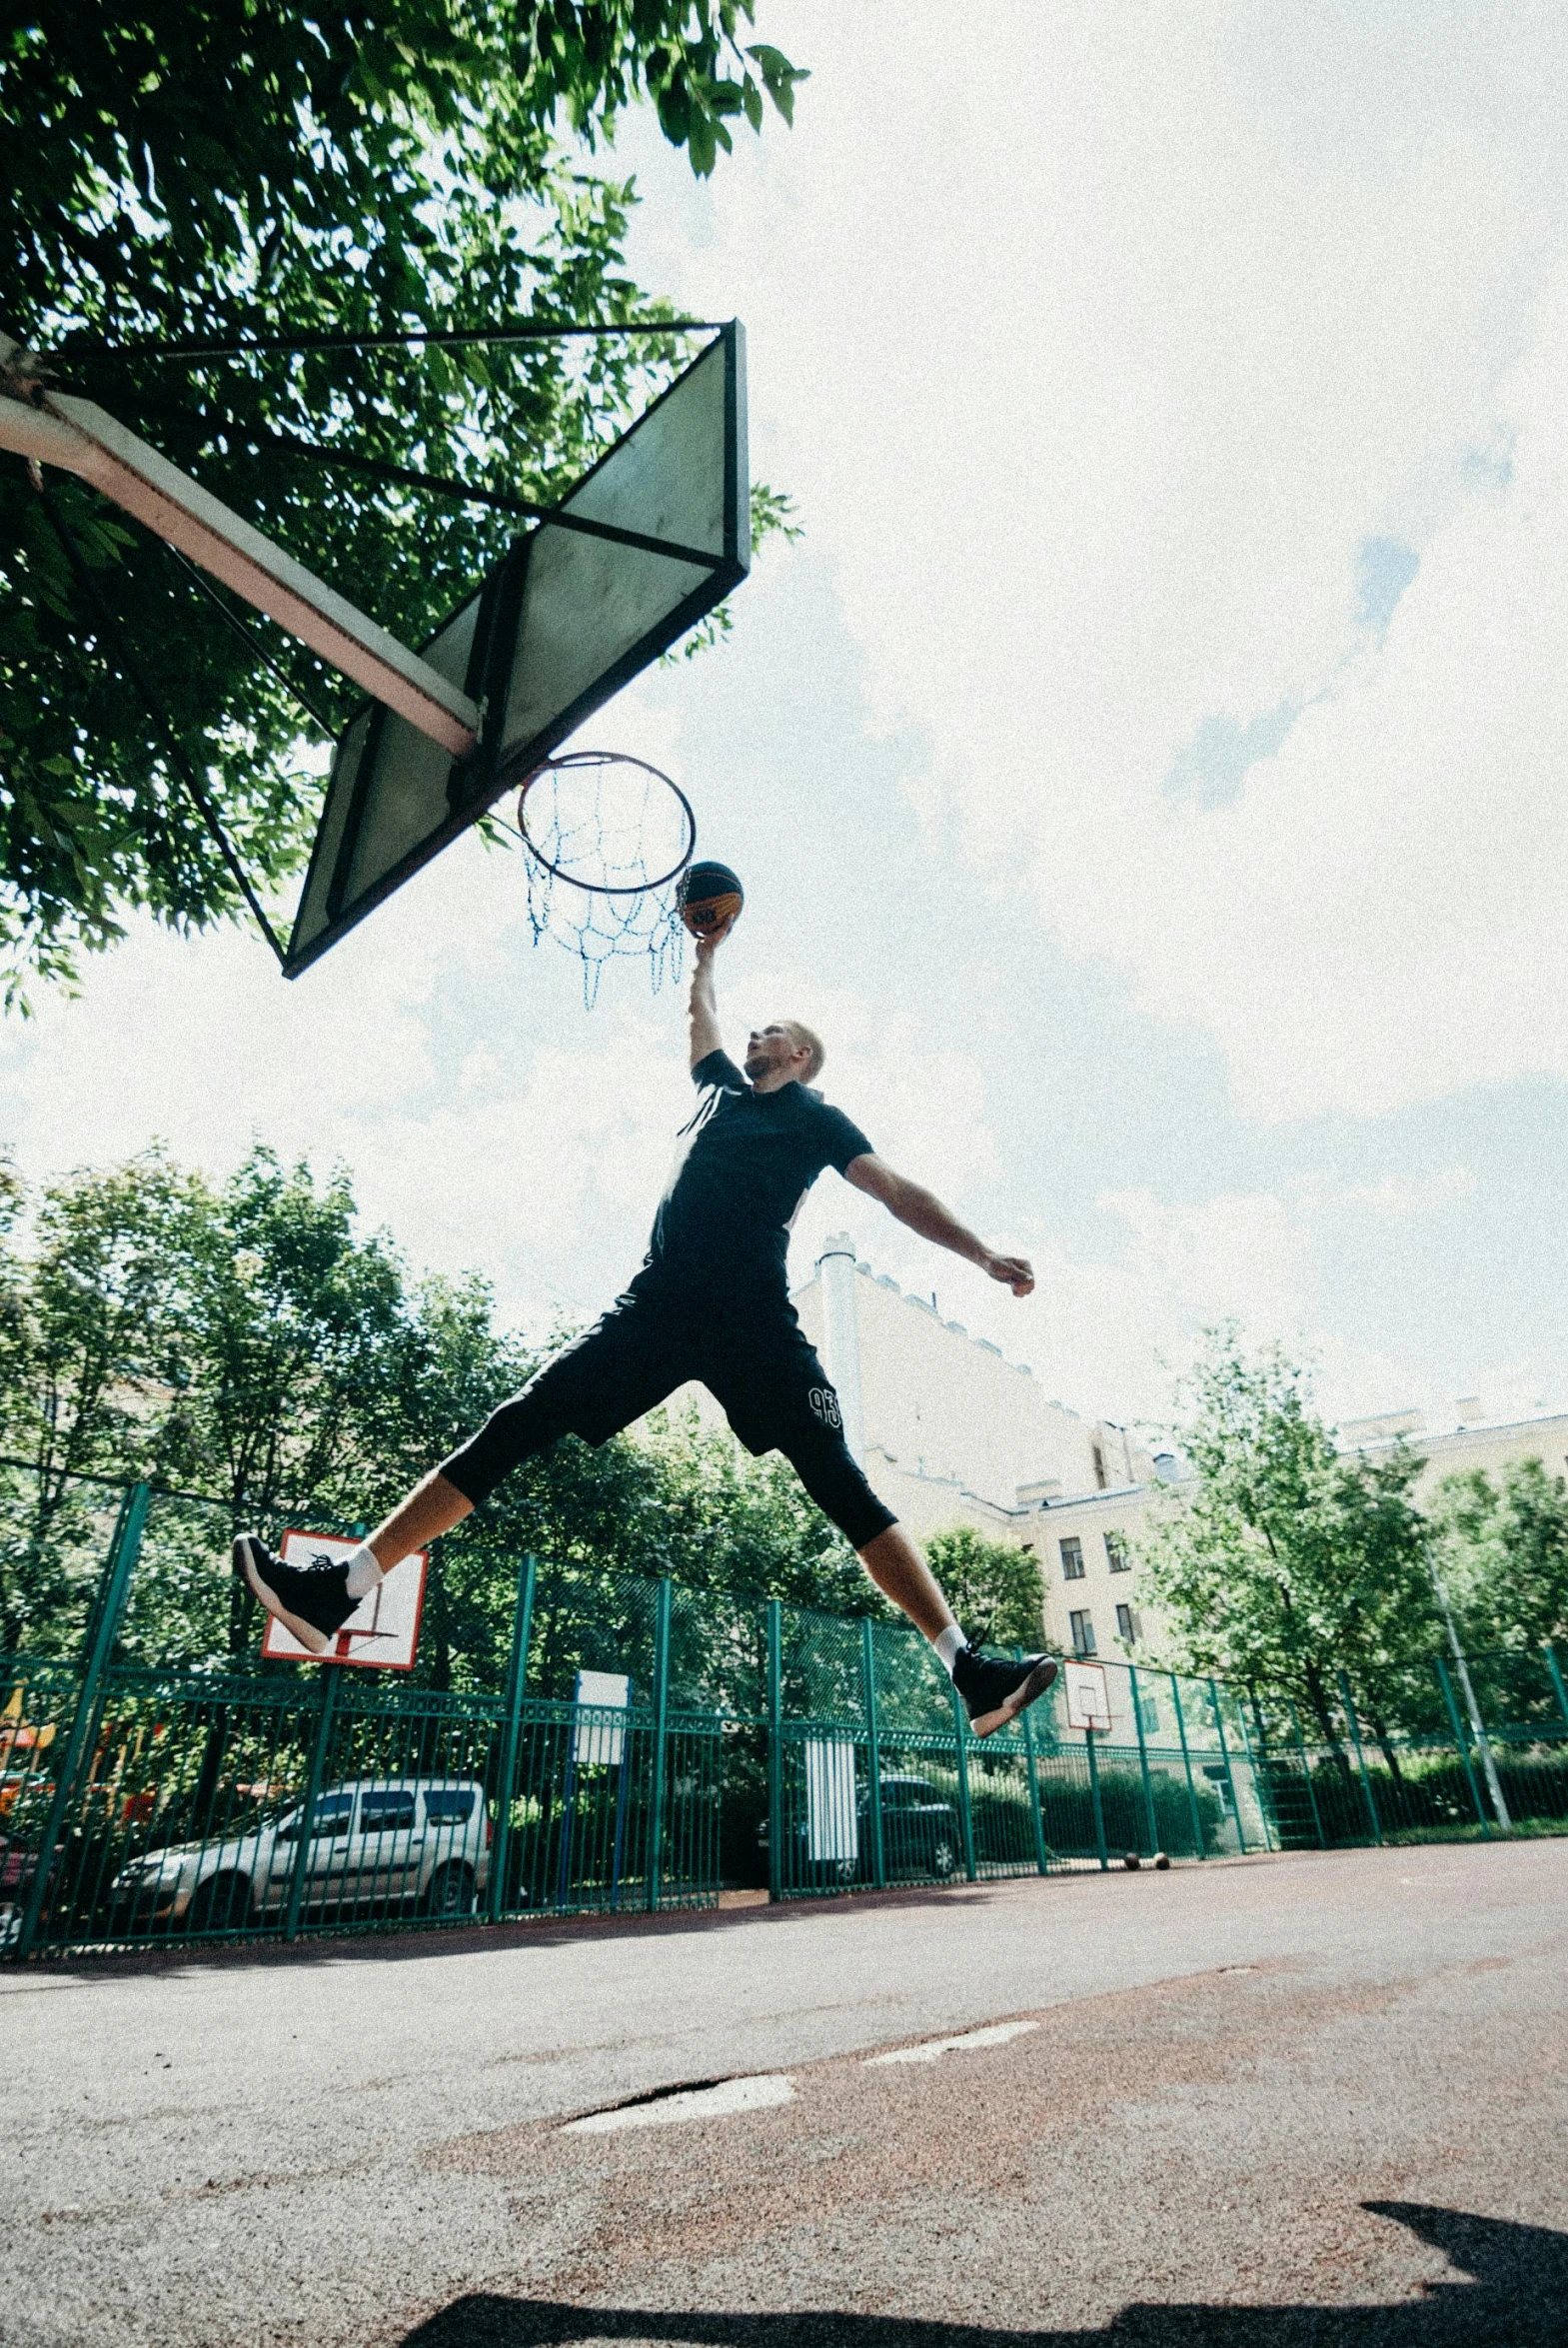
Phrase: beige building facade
x=950 y=1434
x=1087 y=1542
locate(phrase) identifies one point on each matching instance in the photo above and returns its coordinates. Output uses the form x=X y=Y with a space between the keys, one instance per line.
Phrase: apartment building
x=1087 y=1542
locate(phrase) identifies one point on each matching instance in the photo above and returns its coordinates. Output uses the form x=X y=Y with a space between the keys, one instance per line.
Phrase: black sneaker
x=996 y=1691
x=312 y=1603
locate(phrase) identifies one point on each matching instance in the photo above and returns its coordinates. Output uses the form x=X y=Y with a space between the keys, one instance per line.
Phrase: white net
x=605 y=840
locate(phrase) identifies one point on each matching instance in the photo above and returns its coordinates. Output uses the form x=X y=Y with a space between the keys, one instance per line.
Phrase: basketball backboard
x=381 y=1632
x=628 y=563
x=598 y=1740
x=1089 y=1697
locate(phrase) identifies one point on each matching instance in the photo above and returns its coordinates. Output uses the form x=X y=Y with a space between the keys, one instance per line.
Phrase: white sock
x=949 y=1643
x=363 y=1572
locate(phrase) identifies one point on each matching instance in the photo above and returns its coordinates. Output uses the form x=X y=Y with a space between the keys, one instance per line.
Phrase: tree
x=88 y=1338
x=1288 y=1562
x=993 y=1587
x=1503 y=1555
x=189 y=172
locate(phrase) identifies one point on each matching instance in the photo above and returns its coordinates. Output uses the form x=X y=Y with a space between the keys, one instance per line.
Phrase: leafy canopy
x=1288 y=1561
x=993 y=1587
x=191 y=171
x=246 y=1341
x=1502 y=1549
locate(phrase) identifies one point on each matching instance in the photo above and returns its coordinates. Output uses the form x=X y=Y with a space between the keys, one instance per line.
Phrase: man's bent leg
x=901 y=1573
x=993 y=1690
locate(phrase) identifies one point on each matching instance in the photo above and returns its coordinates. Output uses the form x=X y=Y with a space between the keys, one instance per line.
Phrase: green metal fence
x=1457 y=1746
x=161 y=1785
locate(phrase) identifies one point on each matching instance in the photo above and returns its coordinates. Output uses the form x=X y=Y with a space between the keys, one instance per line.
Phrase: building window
x=1098 y=1457
x=1072 y=1558
x=1148 y=1715
x=1124 y=1629
x=1082 y=1633
x=1117 y=1553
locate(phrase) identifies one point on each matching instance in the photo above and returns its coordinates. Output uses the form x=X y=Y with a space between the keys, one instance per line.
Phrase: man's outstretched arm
x=925 y=1213
x=701 y=1005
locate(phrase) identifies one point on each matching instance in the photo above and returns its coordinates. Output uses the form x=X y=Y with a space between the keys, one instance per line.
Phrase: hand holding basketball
x=710 y=898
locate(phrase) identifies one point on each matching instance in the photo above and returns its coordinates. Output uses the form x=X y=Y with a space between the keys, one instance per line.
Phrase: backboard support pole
x=54 y=427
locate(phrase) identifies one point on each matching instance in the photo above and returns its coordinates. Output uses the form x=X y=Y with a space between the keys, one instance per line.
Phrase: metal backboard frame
x=1088 y=1695
x=632 y=559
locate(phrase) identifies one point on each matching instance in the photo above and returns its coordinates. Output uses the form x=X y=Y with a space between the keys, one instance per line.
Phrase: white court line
x=693 y=2103
x=994 y=2034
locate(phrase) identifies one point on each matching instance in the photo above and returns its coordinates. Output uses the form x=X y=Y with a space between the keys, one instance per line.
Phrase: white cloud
x=1098 y=350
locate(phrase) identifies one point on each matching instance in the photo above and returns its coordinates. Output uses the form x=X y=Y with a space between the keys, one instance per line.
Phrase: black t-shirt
x=745 y=1163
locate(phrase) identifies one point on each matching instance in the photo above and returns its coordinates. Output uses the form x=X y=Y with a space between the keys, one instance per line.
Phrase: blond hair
x=807 y=1042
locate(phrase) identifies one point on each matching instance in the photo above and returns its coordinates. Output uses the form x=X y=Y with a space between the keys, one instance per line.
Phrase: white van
x=392 y=1845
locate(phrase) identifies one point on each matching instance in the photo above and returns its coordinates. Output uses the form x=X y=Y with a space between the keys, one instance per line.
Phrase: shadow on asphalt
x=1518 y=2299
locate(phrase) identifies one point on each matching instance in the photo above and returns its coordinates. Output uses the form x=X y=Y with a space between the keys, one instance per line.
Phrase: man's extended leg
x=619 y=1370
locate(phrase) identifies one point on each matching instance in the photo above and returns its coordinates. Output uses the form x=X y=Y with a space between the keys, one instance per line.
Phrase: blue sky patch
x=1212 y=765
x=1384 y=569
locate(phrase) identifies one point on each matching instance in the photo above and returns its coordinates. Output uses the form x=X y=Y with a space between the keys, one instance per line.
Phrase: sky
x=1145 y=771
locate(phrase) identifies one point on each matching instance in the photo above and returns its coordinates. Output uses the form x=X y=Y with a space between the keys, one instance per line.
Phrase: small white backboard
x=381 y=1632
x=598 y=1742
x=1089 y=1697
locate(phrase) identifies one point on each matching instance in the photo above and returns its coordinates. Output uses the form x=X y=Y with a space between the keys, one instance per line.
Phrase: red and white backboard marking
x=1089 y=1697
x=382 y=1632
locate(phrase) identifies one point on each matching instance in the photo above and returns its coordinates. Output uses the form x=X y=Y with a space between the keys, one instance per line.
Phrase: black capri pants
x=758 y=1366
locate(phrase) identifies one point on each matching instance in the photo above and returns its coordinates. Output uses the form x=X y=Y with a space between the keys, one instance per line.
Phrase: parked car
x=18 y=1866
x=394 y=1844
x=921 y=1836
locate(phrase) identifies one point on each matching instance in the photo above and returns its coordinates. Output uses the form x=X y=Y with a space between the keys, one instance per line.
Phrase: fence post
x=1231 y=1775
x=1094 y=1796
x=960 y=1732
x=517 y=1675
x=1143 y=1761
x=1041 y=1860
x=1186 y=1762
x=1262 y=1790
x=330 y=1673
x=1550 y=1653
x=775 y=1749
x=1348 y=1701
x=1462 y=1745
x=124 y=1548
x=1306 y=1772
x=656 y=1822
x=874 y=1753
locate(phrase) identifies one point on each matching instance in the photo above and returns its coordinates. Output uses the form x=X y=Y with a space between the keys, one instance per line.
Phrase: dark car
x=919 y=1837
x=18 y=1866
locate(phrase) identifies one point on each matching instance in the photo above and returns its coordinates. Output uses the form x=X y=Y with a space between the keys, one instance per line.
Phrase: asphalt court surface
x=1307 y=2102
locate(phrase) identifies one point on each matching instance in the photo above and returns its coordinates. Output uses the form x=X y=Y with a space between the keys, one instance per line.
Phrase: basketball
x=710 y=895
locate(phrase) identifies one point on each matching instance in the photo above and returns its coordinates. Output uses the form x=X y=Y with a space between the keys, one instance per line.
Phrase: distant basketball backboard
x=1089 y=1697
x=626 y=564
x=383 y=1631
x=600 y=1729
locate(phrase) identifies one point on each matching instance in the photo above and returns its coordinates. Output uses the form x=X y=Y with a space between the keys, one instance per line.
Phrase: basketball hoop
x=605 y=839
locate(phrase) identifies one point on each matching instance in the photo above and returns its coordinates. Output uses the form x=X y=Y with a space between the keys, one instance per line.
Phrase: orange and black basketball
x=710 y=898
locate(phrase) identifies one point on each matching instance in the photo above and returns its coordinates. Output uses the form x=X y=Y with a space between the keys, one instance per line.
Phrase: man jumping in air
x=710 y=1302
